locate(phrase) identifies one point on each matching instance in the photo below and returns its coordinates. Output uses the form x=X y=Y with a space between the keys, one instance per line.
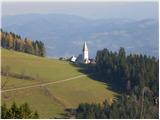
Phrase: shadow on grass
x=92 y=73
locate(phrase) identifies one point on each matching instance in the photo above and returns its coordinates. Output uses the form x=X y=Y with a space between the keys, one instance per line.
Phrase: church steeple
x=85 y=53
x=85 y=48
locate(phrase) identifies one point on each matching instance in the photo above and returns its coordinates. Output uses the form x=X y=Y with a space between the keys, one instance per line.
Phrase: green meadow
x=50 y=100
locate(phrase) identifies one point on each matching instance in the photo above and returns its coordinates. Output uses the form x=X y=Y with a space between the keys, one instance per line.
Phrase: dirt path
x=42 y=84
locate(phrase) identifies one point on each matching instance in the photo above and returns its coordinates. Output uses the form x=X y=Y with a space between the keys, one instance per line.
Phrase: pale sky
x=94 y=10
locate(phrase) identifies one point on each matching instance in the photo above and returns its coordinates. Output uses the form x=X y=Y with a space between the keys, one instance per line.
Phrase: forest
x=15 y=42
x=136 y=77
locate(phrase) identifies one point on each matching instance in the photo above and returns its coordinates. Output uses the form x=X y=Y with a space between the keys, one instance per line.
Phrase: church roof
x=85 y=48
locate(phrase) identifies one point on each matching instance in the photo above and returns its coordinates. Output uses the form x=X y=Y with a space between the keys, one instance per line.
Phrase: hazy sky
x=96 y=10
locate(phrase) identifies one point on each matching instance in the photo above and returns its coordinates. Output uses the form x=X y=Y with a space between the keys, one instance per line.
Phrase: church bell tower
x=85 y=54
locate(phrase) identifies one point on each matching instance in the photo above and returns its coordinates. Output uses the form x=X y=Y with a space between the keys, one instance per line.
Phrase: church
x=84 y=57
x=85 y=54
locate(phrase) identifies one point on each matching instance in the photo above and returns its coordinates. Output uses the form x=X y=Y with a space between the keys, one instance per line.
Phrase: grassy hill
x=49 y=100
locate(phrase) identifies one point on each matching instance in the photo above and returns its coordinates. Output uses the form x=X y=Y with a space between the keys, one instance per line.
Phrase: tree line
x=129 y=71
x=138 y=77
x=18 y=112
x=126 y=107
x=15 y=42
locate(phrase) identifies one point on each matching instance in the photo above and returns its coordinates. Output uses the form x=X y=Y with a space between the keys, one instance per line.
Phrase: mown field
x=50 y=100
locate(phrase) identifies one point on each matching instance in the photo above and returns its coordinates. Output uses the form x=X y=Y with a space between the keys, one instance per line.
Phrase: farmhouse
x=73 y=59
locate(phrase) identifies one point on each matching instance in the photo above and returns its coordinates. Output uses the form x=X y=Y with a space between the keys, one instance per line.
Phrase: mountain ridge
x=61 y=32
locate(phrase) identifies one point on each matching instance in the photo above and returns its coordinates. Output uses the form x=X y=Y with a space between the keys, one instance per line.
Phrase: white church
x=82 y=58
x=85 y=54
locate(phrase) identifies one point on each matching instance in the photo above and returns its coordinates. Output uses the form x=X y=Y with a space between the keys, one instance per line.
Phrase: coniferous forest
x=137 y=80
x=16 y=42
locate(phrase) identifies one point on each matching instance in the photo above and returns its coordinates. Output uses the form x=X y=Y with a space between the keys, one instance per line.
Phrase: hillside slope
x=49 y=100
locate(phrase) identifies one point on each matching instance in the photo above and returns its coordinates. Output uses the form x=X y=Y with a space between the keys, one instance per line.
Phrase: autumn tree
x=15 y=42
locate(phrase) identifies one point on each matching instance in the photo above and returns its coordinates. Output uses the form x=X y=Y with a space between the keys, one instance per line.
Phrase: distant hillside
x=64 y=34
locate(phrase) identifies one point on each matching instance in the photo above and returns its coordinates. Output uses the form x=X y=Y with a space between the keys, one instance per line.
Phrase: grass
x=46 y=69
x=81 y=90
x=36 y=99
x=50 y=101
